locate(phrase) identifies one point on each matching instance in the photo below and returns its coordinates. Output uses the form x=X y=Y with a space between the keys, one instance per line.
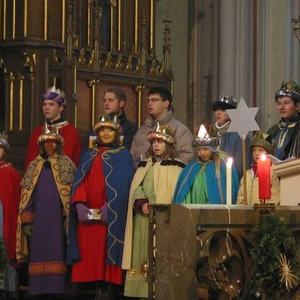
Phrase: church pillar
x=271 y=59
x=227 y=48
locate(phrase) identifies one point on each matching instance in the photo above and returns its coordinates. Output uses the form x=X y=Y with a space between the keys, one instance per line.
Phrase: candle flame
x=47 y=130
x=229 y=161
x=263 y=157
x=202 y=133
x=157 y=127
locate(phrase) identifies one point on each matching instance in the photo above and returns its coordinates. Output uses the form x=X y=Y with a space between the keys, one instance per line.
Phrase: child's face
x=221 y=116
x=2 y=153
x=159 y=147
x=257 y=152
x=107 y=135
x=50 y=147
x=204 y=154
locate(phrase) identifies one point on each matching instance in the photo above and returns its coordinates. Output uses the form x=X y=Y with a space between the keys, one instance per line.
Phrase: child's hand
x=145 y=209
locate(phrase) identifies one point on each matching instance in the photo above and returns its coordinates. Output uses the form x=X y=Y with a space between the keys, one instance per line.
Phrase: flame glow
x=229 y=161
x=263 y=157
x=202 y=133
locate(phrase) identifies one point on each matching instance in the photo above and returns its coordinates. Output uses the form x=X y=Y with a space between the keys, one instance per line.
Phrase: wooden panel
x=36 y=19
x=54 y=20
x=82 y=20
x=128 y=24
x=19 y=18
x=9 y=14
x=84 y=105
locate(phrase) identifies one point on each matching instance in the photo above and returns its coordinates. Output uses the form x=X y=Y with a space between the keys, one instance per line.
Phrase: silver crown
x=204 y=140
x=230 y=100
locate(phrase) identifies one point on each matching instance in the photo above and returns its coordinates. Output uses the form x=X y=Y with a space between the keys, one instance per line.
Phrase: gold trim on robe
x=63 y=182
x=165 y=178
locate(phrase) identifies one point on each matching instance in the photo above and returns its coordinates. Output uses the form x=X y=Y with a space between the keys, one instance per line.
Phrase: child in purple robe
x=42 y=213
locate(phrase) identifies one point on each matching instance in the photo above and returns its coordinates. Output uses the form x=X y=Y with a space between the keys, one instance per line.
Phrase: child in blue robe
x=203 y=181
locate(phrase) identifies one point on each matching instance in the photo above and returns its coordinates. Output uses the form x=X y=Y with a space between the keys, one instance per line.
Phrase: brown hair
x=120 y=94
x=169 y=152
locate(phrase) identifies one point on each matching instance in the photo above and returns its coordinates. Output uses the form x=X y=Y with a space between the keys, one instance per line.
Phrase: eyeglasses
x=153 y=100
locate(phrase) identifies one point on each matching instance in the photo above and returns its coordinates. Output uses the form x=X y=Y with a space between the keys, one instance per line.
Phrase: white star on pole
x=242 y=119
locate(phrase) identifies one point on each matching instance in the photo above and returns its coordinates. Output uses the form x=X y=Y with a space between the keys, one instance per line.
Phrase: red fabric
x=92 y=236
x=10 y=191
x=72 y=146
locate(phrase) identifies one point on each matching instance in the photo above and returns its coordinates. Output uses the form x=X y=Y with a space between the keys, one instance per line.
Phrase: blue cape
x=231 y=144
x=189 y=173
x=118 y=171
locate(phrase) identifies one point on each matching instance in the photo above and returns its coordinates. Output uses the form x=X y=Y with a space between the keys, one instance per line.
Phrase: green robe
x=155 y=182
x=136 y=284
x=199 y=189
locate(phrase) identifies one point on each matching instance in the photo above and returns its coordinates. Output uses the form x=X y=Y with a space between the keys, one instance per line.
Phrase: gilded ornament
x=286 y=273
x=145 y=268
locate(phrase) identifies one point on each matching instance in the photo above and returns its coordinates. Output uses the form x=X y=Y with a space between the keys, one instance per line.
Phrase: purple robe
x=47 y=243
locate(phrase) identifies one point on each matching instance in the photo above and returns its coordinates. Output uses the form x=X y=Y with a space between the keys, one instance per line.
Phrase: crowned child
x=153 y=183
x=261 y=144
x=100 y=197
x=44 y=207
x=203 y=181
x=10 y=190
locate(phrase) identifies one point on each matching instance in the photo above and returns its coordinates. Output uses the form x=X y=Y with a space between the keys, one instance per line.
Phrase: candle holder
x=264 y=209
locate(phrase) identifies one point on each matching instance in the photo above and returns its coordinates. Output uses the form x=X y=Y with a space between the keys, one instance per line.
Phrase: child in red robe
x=99 y=196
x=10 y=190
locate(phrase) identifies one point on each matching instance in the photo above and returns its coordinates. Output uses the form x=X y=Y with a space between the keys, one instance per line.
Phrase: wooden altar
x=203 y=249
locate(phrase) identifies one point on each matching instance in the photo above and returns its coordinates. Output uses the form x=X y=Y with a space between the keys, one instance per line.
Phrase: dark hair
x=164 y=93
x=58 y=150
x=169 y=152
x=120 y=94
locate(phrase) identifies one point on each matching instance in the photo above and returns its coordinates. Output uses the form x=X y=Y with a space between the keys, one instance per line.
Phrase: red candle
x=263 y=174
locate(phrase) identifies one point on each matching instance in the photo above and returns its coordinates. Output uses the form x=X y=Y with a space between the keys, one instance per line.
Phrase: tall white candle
x=229 y=181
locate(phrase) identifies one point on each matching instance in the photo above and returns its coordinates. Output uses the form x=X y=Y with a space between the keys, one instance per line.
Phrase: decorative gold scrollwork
x=119 y=62
x=81 y=57
x=220 y=269
x=55 y=56
x=91 y=58
x=30 y=63
x=108 y=61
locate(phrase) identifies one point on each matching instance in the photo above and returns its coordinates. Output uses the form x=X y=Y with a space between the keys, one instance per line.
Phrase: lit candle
x=229 y=181
x=263 y=174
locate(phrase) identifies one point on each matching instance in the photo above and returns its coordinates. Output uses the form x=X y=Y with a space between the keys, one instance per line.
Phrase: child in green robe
x=203 y=181
x=153 y=183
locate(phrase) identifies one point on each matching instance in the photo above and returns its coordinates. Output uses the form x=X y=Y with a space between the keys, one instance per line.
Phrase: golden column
x=75 y=92
x=21 y=100
x=140 y=92
x=11 y=79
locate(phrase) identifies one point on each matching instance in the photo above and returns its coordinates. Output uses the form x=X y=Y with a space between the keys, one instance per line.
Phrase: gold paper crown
x=50 y=134
x=162 y=132
x=3 y=141
x=291 y=89
x=263 y=140
x=107 y=121
x=204 y=140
